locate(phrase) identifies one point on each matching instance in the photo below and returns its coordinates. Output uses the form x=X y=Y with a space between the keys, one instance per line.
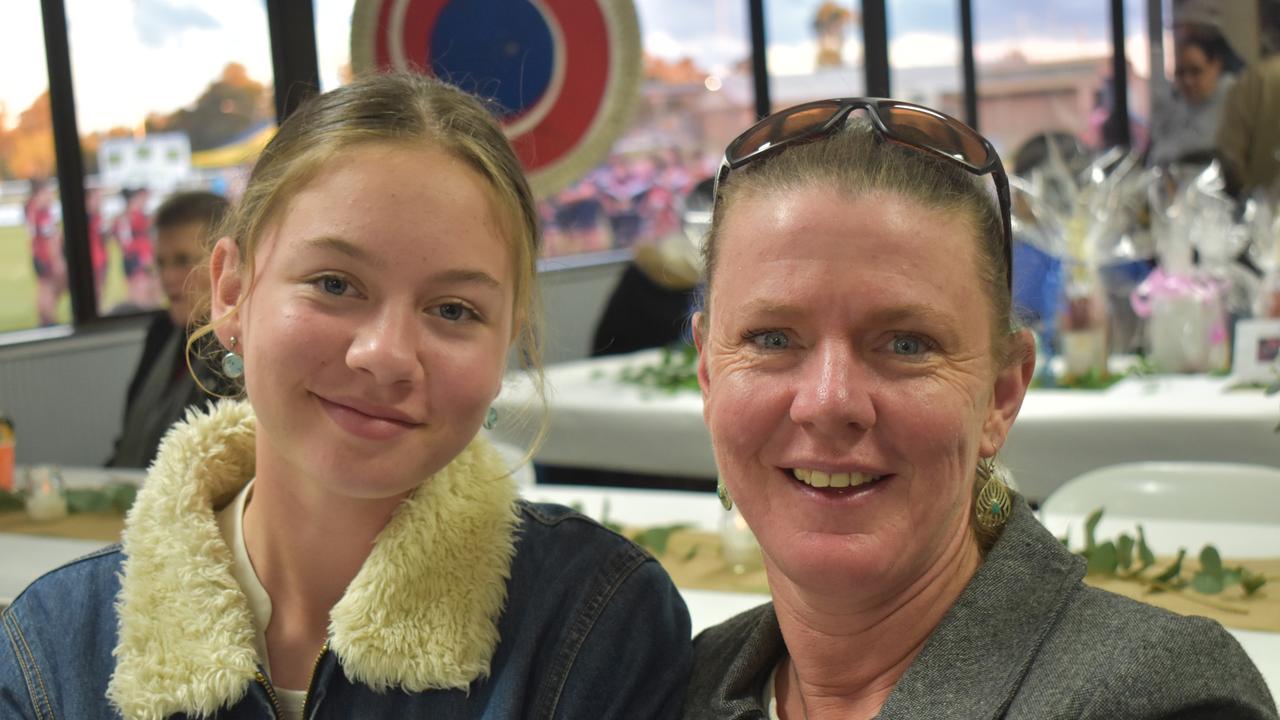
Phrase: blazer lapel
x=973 y=663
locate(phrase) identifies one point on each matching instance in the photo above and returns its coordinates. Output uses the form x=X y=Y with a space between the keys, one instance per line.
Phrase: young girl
x=342 y=544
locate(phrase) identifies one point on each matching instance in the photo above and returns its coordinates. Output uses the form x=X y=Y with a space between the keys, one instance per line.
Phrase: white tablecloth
x=597 y=422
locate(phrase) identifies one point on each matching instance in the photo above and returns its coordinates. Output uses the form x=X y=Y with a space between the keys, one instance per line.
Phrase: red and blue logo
x=566 y=73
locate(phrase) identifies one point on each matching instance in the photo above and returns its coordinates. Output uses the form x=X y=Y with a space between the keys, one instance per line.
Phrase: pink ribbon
x=1158 y=285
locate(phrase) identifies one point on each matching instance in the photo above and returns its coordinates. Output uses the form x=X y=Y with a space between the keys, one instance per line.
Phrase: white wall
x=66 y=395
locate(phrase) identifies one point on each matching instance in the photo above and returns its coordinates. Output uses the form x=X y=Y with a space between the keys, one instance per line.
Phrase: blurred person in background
x=162 y=388
x=1185 y=124
x=132 y=229
x=1249 y=134
x=46 y=251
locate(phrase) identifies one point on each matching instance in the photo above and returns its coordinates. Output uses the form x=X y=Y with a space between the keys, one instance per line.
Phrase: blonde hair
x=406 y=109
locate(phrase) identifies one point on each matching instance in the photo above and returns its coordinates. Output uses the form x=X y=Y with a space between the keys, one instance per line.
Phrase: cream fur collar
x=421 y=614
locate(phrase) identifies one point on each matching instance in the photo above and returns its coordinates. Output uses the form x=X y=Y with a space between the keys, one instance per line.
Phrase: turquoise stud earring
x=490 y=418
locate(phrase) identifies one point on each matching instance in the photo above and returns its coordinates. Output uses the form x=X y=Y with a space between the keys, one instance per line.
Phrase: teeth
x=820 y=479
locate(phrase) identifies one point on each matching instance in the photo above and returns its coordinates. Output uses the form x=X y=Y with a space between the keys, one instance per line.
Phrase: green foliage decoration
x=1129 y=558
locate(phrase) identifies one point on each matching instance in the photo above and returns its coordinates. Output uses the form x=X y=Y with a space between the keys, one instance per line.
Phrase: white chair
x=1202 y=491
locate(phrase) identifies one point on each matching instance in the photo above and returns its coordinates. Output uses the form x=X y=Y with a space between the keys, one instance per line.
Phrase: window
x=814 y=50
x=1042 y=67
x=32 y=266
x=333 y=41
x=924 y=54
x=170 y=95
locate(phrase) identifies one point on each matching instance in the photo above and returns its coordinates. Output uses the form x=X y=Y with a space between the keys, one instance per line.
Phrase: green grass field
x=18 y=282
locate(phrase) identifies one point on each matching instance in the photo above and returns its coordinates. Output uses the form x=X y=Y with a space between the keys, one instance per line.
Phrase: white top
x=231 y=525
x=769 y=696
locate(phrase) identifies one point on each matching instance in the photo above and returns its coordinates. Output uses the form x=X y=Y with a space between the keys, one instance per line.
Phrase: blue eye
x=334 y=285
x=456 y=312
x=908 y=345
x=771 y=340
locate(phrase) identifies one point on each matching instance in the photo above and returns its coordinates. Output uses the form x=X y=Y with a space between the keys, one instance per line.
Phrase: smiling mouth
x=820 y=479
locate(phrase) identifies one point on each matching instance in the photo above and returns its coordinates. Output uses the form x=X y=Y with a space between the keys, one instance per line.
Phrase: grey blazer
x=1026 y=639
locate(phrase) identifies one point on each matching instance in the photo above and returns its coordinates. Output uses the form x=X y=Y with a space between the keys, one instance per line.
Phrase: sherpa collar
x=421 y=614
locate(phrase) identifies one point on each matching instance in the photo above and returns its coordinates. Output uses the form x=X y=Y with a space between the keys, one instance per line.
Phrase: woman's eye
x=771 y=340
x=909 y=345
x=334 y=285
x=455 y=312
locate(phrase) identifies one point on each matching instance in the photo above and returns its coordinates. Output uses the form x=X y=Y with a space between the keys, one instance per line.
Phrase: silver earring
x=490 y=418
x=233 y=364
x=722 y=492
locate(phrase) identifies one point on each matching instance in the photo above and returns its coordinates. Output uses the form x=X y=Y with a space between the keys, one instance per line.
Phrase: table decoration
x=80 y=513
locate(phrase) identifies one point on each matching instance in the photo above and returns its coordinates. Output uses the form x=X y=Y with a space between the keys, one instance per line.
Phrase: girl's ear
x=225 y=285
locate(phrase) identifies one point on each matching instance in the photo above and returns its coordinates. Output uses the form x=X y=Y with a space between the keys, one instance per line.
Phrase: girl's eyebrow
x=455 y=276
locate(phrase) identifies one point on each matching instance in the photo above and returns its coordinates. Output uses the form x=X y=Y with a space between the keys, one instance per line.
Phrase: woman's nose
x=833 y=391
x=386 y=347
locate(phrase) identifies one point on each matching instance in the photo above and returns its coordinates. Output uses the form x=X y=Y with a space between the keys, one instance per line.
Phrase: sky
x=134 y=56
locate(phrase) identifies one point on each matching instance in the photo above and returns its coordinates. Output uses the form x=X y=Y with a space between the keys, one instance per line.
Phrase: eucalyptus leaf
x=693 y=552
x=1207 y=583
x=87 y=501
x=122 y=497
x=1231 y=576
x=1146 y=558
x=1103 y=561
x=1174 y=570
x=1251 y=581
x=1090 y=525
x=1124 y=551
x=655 y=539
x=1211 y=561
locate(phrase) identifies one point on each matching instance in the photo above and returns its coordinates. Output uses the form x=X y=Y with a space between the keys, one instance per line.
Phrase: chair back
x=1205 y=491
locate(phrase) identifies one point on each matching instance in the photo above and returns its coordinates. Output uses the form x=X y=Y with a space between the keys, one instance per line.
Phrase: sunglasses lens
x=927 y=129
x=792 y=124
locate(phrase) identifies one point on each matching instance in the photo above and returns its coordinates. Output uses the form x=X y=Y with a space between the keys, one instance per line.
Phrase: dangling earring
x=233 y=364
x=490 y=418
x=722 y=492
x=994 y=504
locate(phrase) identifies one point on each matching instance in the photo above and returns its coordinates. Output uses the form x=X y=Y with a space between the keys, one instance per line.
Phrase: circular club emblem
x=565 y=73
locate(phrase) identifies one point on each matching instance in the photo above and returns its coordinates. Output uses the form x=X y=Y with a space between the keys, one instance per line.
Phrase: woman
x=1185 y=127
x=859 y=375
x=163 y=386
x=343 y=544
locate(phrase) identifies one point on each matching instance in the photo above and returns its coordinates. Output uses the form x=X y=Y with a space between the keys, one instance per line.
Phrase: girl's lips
x=364 y=426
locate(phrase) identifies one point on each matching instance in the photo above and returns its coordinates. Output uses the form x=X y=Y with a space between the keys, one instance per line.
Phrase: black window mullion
x=66 y=143
x=875 y=44
x=293 y=53
x=1119 y=120
x=968 y=64
x=759 y=63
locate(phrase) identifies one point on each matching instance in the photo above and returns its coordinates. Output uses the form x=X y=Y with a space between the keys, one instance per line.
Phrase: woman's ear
x=1011 y=385
x=699 y=342
x=226 y=284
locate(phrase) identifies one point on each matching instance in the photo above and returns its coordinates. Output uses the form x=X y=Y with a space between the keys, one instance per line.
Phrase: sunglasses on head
x=914 y=126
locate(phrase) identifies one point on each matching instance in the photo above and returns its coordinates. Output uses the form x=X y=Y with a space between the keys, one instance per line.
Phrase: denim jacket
x=472 y=604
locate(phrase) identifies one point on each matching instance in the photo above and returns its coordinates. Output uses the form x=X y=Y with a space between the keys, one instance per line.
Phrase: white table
x=23 y=557
x=597 y=422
